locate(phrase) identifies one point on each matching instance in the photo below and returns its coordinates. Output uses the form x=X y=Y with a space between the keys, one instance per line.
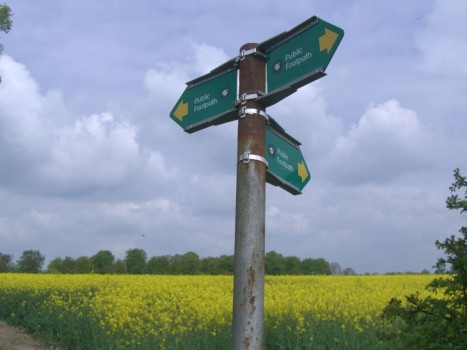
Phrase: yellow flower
x=132 y=308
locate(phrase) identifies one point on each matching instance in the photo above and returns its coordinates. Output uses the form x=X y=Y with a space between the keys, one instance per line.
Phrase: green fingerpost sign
x=286 y=166
x=298 y=57
x=209 y=100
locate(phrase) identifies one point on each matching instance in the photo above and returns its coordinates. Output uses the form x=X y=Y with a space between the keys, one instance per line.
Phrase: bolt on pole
x=248 y=298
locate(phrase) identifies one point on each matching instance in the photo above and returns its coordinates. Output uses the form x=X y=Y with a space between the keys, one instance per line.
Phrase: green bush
x=438 y=322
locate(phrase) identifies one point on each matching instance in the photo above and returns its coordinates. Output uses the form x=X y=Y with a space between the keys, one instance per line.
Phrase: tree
x=135 y=261
x=191 y=264
x=292 y=265
x=5 y=18
x=335 y=268
x=31 y=261
x=83 y=265
x=120 y=267
x=226 y=264
x=6 y=263
x=186 y=264
x=55 y=266
x=274 y=263
x=210 y=266
x=318 y=266
x=158 y=265
x=5 y=23
x=68 y=265
x=349 y=271
x=103 y=261
x=440 y=323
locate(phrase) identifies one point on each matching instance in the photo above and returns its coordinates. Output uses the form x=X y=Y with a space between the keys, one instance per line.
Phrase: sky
x=90 y=159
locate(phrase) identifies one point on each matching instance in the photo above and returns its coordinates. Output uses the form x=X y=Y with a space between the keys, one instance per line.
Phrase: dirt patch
x=14 y=339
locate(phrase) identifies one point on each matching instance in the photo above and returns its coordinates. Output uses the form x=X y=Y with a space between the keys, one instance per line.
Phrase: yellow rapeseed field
x=133 y=308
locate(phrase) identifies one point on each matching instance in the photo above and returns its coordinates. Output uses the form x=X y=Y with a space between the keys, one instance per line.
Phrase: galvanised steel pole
x=248 y=299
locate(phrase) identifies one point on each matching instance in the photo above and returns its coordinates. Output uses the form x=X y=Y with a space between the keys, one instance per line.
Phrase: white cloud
x=387 y=142
x=207 y=57
x=156 y=167
x=305 y=116
x=46 y=150
x=280 y=222
x=166 y=80
x=140 y=213
x=43 y=219
x=96 y=151
x=21 y=110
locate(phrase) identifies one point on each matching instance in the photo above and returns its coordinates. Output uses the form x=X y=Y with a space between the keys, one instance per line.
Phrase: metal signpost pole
x=248 y=298
x=290 y=60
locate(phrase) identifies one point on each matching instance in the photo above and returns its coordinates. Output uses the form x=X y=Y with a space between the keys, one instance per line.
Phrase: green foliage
x=158 y=265
x=226 y=264
x=348 y=271
x=292 y=265
x=31 y=261
x=70 y=265
x=438 y=323
x=5 y=18
x=454 y=201
x=286 y=333
x=5 y=22
x=120 y=267
x=55 y=266
x=6 y=263
x=135 y=261
x=83 y=265
x=275 y=264
x=186 y=264
x=319 y=266
x=103 y=262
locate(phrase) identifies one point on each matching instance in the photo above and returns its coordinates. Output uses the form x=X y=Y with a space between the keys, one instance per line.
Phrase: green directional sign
x=286 y=166
x=209 y=100
x=298 y=57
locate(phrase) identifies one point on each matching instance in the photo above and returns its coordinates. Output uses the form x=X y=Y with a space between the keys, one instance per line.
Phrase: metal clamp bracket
x=254 y=51
x=246 y=157
x=243 y=98
x=244 y=111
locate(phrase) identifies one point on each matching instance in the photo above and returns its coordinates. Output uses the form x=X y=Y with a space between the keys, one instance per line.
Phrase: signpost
x=286 y=166
x=250 y=212
x=298 y=57
x=267 y=73
x=209 y=100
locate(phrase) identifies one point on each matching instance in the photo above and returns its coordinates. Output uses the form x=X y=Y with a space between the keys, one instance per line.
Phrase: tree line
x=137 y=262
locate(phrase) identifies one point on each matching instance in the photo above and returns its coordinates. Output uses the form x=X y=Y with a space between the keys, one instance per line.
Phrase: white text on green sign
x=208 y=103
x=300 y=56
x=286 y=166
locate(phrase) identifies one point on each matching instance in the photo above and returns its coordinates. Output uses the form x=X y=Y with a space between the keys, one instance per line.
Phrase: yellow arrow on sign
x=181 y=111
x=302 y=172
x=327 y=40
